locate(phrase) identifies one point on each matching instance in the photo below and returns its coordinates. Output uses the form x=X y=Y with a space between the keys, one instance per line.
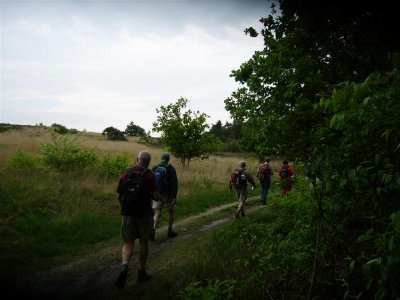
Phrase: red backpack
x=264 y=172
x=238 y=179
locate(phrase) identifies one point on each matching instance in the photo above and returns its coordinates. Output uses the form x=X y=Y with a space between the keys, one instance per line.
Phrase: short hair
x=166 y=156
x=242 y=164
x=267 y=158
x=144 y=156
x=285 y=162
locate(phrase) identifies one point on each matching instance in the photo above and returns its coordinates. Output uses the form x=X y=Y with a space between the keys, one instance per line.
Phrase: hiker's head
x=165 y=156
x=242 y=164
x=144 y=157
x=267 y=158
x=285 y=162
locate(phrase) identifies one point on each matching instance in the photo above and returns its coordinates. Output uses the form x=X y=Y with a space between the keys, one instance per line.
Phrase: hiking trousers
x=264 y=190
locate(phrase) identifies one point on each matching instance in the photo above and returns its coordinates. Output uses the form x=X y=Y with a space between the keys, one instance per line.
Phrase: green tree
x=114 y=134
x=309 y=47
x=323 y=91
x=135 y=130
x=61 y=129
x=229 y=131
x=184 y=131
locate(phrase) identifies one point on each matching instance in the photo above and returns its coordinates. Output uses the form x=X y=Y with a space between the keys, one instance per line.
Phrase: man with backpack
x=238 y=181
x=135 y=189
x=285 y=173
x=167 y=189
x=264 y=174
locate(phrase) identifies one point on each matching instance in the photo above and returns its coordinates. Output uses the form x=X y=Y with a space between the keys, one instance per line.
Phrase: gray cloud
x=93 y=64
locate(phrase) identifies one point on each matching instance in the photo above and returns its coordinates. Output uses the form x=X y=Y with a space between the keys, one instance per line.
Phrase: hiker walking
x=167 y=189
x=264 y=174
x=285 y=173
x=135 y=188
x=238 y=181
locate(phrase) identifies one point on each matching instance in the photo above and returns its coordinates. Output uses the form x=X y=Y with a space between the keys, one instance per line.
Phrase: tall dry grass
x=214 y=170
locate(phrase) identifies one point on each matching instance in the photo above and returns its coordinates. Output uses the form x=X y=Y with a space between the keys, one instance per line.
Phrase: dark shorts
x=133 y=228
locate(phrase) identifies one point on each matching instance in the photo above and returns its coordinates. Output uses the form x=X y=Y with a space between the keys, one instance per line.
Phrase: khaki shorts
x=161 y=200
x=241 y=194
x=133 y=228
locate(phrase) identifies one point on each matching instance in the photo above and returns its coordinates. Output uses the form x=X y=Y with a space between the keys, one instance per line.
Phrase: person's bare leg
x=171 y=233
x=143 y=253
x=127 y=251
x=156 y=217
x=170 y=217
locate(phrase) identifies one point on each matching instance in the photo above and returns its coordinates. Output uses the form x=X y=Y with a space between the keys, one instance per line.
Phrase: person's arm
x=173 y=180
x=119 y=187
x=151 y=183
x=250 y=178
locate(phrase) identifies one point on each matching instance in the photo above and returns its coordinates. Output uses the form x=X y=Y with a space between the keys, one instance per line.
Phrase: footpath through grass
x=249 y=258
x=47 y=215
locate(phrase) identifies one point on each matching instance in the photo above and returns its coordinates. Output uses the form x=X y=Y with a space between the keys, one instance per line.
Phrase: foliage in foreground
x=268 y=254
x=328 y=95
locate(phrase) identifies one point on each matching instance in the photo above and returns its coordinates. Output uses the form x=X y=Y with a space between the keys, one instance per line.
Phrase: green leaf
x=366 y=237
x=375 y=261
x=351 y=267
x=396 y=221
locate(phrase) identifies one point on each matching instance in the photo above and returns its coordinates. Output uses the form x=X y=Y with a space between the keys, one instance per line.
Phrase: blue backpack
x=285 y=172
x=161 y=179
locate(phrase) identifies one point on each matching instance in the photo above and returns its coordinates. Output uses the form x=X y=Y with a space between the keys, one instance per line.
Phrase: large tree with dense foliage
x=309 y=47
x=114 y=134
x=324 y=91
x=135 y=130
x=228 y=131
x=184 y=131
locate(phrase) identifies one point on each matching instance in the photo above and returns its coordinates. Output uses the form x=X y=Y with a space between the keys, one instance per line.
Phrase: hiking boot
x=172 y=234
x=143 y=276
x=120 y=283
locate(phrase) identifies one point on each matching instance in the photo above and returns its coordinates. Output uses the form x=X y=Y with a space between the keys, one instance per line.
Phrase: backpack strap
x=142 y=173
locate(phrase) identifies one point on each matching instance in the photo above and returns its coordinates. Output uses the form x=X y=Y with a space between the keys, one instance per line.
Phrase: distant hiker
x=167 y=189
x=285 y=173
x=264 y=174
x=135 y=188
x=238 y=181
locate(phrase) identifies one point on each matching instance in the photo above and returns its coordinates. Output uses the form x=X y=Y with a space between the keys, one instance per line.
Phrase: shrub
x=231 y=146
x=22 y=159
x=214 y=289
x=114 y=134
x=113 y=165
x=61 y=129
x=64 y=154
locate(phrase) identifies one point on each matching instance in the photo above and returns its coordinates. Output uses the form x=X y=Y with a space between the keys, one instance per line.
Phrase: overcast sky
x=93 y=64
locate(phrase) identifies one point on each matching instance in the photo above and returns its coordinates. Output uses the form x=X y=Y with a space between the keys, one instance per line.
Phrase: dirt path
x=93 y=276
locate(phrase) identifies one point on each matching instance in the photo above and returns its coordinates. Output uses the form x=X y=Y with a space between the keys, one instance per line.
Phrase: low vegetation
x=57 y=193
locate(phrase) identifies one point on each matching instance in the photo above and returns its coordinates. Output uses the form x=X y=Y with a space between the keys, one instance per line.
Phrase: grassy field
x=58 y=204
x=47 y=212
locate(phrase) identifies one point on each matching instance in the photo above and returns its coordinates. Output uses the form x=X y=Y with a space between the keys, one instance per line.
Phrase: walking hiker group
x=240 y=177
x=144 y=192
